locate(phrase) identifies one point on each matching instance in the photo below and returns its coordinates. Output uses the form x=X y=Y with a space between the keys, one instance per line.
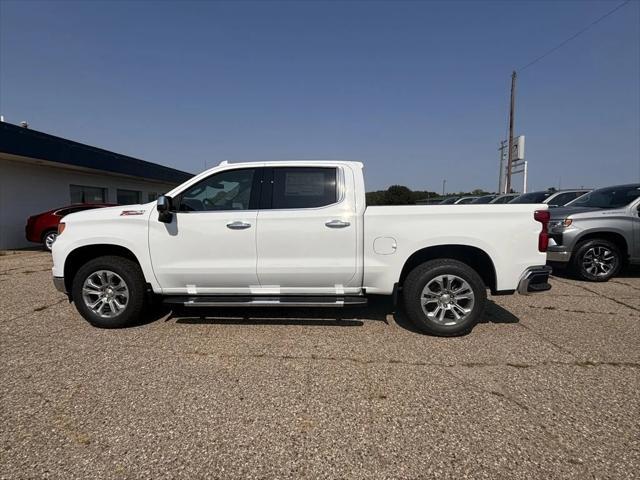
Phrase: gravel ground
x=546 y=387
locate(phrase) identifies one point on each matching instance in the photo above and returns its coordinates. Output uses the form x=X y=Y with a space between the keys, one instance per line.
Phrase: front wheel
x=597 y=260
x=444 y=297
x=109 y=292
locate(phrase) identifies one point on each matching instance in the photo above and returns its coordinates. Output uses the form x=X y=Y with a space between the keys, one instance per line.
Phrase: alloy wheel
x=599 y=261
x=447 y=299
x=49 y=239
x=105 y=293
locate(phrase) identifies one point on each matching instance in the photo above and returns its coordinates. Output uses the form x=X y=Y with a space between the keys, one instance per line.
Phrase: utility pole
x=444 y=182
x=511 y=122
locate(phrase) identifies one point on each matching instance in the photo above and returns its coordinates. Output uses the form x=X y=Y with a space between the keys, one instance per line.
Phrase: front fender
x=126 y=232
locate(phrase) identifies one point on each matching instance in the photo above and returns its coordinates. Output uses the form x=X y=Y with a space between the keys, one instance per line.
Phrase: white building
x=40 y=172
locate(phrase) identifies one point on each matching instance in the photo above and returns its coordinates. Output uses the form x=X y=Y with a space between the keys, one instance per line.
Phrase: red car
x=43 y=227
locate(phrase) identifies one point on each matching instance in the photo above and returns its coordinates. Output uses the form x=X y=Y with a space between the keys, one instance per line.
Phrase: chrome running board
x=265 y=301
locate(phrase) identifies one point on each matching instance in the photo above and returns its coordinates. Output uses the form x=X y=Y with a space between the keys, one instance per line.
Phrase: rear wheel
x=597 y=260
x=48 y=238
x=444 y=297
x=109 y=292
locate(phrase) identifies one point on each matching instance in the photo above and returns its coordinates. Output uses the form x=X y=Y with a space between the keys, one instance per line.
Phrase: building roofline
x=29 y=143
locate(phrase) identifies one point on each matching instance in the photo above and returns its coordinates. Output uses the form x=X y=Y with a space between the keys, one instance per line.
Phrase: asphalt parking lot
x=546 y=387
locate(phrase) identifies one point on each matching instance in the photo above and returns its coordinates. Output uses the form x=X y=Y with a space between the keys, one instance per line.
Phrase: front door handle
x=238 y=225
x=337 y=224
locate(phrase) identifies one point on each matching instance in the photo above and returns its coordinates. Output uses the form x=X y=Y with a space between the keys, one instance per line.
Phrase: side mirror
x=164 y=205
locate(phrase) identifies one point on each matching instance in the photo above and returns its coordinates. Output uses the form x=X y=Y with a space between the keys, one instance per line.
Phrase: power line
x=610 y=12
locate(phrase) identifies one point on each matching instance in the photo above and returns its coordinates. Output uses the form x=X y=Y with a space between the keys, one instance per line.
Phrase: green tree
x=399 y=195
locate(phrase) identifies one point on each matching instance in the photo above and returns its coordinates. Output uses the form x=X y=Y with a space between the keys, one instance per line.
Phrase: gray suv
x=598 y=233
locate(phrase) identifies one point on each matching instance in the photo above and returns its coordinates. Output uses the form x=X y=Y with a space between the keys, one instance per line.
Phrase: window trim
x=340 y=188
x=254 y=199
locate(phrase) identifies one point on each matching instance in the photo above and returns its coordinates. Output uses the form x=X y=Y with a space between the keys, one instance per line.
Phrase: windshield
x=533 y=197
x=610 y=197
x=503 y=199
x=448 y=201
x=485 y=199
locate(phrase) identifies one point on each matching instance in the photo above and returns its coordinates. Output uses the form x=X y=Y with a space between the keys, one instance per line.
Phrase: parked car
x=449 y=201
x=552 y=198
x=532 y=197
x=598 y=233
x=484 y=199
x=464 y=200
x=43 y=227
x=504 y=198
x=315 y=244
x=562 y=197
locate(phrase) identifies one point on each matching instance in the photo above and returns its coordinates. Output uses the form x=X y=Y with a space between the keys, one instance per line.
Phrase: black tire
x=45 y=242
x=133 y=278
x=586 y=249
x=427 y=273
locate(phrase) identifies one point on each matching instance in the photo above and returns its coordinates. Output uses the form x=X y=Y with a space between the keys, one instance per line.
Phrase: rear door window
x=303 y=187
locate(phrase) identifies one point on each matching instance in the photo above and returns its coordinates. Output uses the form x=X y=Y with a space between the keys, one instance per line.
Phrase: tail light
x=61 y=226
x=543 y=216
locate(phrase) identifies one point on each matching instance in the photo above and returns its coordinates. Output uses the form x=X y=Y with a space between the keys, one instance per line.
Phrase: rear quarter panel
x=507 y=233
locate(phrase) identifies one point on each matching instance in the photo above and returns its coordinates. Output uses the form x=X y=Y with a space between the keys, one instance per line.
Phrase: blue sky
x=418 y=91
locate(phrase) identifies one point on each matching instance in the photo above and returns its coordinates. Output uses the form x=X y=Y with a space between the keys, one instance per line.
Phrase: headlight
x=559 y=225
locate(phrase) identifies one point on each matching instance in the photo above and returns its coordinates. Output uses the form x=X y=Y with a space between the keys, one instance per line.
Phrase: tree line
x=401 y=195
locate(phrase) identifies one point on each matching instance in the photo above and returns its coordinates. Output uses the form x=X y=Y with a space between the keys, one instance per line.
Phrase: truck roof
x=284 y=163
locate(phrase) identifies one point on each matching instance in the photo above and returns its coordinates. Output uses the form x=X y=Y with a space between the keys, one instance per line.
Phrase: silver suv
x=598 y=233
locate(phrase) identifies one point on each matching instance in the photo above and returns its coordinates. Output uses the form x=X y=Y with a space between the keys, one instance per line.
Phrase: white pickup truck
x=297 y=233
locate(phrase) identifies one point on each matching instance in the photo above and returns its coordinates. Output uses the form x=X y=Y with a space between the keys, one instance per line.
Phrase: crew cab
x=297 y=233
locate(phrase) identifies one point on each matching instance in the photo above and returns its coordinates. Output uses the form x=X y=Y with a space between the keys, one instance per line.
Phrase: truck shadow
x=380 y=309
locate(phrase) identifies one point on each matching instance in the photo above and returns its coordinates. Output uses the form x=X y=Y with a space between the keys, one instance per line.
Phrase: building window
x=129 y=197
x=153 y=196
x=84 y=194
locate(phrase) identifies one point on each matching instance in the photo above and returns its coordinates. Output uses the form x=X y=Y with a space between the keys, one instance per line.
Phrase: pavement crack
x=37 y=309
x=493 y=392
x=551 y=342
x=13 y=271
x=619 y=302
x=625 y=284
x=569 y=310
x=313 y=357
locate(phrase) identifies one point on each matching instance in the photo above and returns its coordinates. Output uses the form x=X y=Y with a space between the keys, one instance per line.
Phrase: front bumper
x=535 y=279
x=58 y=282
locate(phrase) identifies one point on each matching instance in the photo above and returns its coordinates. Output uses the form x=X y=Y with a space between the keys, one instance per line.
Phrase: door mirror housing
x=164 y=204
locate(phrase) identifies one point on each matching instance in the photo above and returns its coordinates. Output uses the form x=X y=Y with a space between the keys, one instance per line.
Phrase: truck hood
x=110 y=213
x=561 y=213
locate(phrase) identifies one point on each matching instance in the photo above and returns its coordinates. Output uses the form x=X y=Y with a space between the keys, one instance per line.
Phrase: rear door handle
x=337 y=224
x=238 y=225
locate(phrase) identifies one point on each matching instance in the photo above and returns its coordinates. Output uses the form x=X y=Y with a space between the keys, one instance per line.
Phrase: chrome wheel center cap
x=445 y=298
